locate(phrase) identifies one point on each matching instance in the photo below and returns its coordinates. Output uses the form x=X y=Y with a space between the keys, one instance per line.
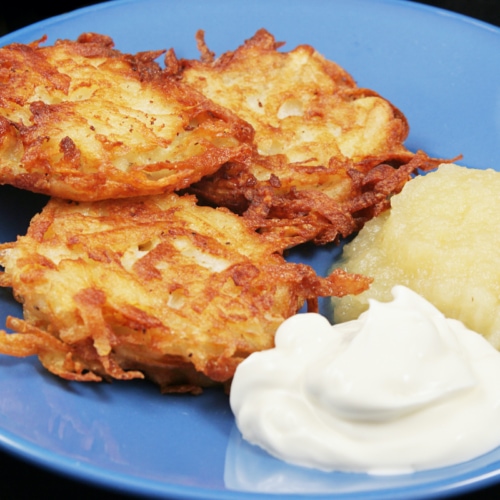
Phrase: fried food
x=439 y=239
x=81 y=120
x=300 y=104
x=315 y=204
x=155 y=287
x=328 y=150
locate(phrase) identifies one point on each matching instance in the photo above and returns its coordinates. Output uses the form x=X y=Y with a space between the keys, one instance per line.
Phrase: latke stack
x=124 y=274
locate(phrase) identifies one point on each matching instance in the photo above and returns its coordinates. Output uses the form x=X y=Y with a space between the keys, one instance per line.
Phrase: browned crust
x=153 y=287
x=83 y=121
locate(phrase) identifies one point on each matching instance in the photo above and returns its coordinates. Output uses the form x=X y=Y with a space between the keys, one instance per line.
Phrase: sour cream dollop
x=400 y=389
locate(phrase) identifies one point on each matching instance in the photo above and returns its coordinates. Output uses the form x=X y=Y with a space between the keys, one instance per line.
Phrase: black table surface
x=23 y=480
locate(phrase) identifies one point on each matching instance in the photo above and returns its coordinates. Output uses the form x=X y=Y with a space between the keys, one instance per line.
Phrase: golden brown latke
x=83 y=121
x=154 y=286
x=328 y=150
x=300 y=104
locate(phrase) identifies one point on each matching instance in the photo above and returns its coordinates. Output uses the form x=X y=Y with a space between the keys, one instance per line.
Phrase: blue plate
x=441 y=69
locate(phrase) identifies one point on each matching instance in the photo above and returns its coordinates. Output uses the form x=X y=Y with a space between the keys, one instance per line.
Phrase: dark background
x=22 y=480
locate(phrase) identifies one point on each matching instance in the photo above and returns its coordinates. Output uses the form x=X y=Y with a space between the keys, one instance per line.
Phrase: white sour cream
x=400 y=389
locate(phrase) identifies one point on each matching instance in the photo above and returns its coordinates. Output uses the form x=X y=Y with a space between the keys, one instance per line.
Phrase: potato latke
x=154 y=286
x=83 y=121
x=328 y=150
x=119 y=285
